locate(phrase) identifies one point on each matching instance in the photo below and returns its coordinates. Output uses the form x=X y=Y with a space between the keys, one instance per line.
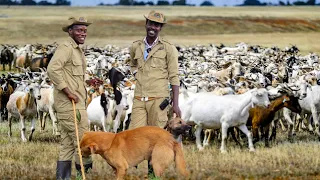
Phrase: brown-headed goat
x=262 y=116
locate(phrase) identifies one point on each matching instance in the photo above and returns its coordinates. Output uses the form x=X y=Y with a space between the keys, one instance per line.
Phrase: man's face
x=78 y=33
x=153 y=28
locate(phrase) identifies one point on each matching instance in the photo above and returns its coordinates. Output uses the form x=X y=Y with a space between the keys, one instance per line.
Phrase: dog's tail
x=179 y=159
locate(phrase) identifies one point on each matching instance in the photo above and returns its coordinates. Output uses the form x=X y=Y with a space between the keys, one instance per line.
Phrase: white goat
x=213 y=112
x=45 y=106
x=120 y=108
x=21 y=105
x=130 y=104
x=311 y=106
x=99 y=111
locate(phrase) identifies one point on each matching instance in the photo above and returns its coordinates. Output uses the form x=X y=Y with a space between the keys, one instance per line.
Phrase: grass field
x=120 y=26
x=298 y=160
x=266 y=26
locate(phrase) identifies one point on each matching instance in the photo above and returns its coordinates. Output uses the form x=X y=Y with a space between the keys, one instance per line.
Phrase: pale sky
x=196 y=2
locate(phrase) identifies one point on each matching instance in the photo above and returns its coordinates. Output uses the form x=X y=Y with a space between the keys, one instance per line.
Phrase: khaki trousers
x=148 y=113
x=68 y=145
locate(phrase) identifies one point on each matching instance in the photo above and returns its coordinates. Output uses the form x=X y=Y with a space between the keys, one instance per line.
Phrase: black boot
x=87 y=167
x=63 y=170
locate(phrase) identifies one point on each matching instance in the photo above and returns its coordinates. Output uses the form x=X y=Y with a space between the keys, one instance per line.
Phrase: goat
x=40 y=62
x=311 y=105
x=22 y=105
x=130 y=96
x=45 y=106
x=5 y=91
x=98 y=112
x=115 y=76
x=23 y=61
x=6 y=57
x=223 y=112
x=262 y=117
x=120 y=108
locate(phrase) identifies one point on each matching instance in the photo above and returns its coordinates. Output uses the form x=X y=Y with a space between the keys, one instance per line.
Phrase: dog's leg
x=162 y=155
x=120 y=172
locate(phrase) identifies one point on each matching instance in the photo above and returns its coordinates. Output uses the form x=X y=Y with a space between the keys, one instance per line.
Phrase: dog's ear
x=93 y=148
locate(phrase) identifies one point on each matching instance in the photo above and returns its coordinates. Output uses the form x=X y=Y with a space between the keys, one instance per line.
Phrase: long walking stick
x=77 y=134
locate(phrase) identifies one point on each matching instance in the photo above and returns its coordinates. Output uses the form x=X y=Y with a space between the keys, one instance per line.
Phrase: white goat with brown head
x=22 y=105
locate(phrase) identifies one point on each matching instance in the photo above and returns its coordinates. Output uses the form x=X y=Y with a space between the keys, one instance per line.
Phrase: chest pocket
x=138 y=58
x=159 y=60
x=77 y=68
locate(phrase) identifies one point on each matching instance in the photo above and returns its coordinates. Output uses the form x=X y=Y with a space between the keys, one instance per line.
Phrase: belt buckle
x=144 y=99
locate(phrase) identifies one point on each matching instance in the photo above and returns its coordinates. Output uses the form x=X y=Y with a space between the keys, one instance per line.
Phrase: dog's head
x=86 y=151
x=87 y=146
x=177 y=126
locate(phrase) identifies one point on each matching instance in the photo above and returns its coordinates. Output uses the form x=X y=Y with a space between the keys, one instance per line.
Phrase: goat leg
x=198 y=137
x=234 y=137
x=23 y=129
x=266 y=135
x=32 y=129
x=283 y=127
x=274 y=131
x=245 y=130
x=10 y=123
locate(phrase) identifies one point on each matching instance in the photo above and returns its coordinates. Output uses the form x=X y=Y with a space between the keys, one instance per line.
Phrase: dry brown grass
x=266 y=26
x=299 y=160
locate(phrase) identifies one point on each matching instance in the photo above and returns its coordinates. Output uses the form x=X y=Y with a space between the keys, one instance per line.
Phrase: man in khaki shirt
x=154 y=61
x=66 y=70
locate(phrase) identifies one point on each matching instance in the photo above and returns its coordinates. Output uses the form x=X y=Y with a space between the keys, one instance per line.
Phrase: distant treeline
x=281 y=3
x=159 y=3
x=34 y=3
x=209 y=3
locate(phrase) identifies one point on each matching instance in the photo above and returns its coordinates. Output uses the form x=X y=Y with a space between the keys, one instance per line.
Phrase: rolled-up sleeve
x=55 y=67
x=172 y=60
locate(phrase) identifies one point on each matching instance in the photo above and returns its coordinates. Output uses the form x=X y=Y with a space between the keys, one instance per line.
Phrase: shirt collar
x=73 y=43
x=152 y=45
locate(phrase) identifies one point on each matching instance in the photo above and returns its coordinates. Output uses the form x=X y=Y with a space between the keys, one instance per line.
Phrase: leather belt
x=146 y=98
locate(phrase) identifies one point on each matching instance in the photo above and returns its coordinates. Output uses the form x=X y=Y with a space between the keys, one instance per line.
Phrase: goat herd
x=227 y=88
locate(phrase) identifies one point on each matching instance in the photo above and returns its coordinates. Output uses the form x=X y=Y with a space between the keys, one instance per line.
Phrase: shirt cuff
x=61 y=86
x=175 y=82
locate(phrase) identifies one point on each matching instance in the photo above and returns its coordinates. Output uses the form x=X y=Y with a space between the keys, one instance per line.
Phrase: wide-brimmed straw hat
x=76 y=21
x=156 y=17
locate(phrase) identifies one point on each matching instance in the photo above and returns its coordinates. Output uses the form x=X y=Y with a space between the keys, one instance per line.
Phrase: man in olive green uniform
x=66 y=70
x=154 y=61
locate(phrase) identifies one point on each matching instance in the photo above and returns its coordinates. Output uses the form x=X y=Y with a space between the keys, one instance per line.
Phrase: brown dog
x=178 y=128
x=131 y=147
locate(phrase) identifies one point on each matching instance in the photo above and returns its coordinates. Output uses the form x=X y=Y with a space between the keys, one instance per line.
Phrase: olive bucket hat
x=75 y=21
x=156 y=17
